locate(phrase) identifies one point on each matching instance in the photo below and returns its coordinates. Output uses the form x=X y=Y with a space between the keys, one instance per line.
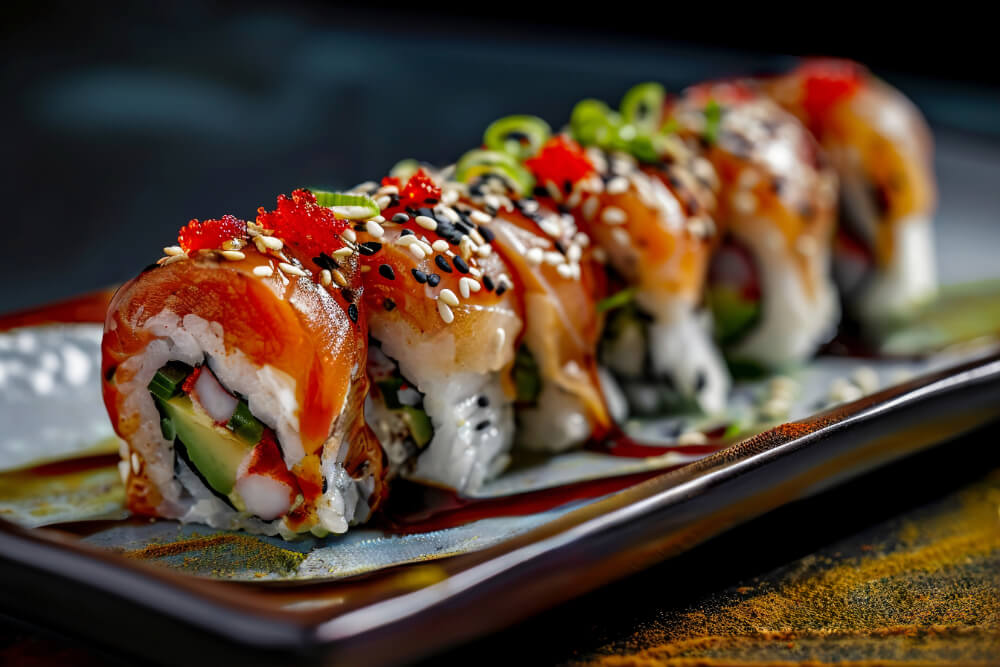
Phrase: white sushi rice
x=472 y=437
x=677 y=344
x=798 y=312
x=556 y=423
x=270 y=395
x=910 y=279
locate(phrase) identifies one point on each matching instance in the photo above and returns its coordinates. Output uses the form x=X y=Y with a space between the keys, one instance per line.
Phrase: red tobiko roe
x=419 y=191
x=560 y=161
x=305 y=225
x=826 y=82
x=210 y=234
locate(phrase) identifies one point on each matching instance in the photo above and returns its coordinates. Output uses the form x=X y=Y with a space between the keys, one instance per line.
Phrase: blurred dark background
x=122 y=121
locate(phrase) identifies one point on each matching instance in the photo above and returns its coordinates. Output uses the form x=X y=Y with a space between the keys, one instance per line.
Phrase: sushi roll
x=234 y=372
x=881 y=148
x=444 y=321
x=770 y=283
x=559 y=394
x=648 y=218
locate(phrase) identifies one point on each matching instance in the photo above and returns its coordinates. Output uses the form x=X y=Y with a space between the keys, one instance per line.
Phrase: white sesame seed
x=463 y=287
x=617 y=186
x=590 y=208
x=173 y=251
x=367 y=186
x=259 y=242
x=529 y=206
x=374 y=229
x=163 y=261
x=272 y=243
x=383 y=202
x=534 y=255
x=440 y=245
x=466 y=248
x=551 y=227
x=565 y=270
x=484 y=250
x=692 y=438
x=350 y=235
x=406 y=240
x=477 y=237
x=448 y=297
x=554 y=258
x=492 y=201
x=379 y=219
x=744 y=202
x=480 y=217
x=600 y=255
x=573 y=253
x=426 y=222
x=264 y=271
x=613 y=215
x=136 y=463
x=449 y=196
x=866 y=378
x=325 y=278
x=291 y=269
x=426 y=247
x=387 y=190
x=554 y=191
x=416 y=250
x=445 y=312
x=338 y=278
x=448 y=212
x=620 y=236
x=475 y=272
x=341 y=253
x=581 y=239
x=574 y=199
x=233 y=255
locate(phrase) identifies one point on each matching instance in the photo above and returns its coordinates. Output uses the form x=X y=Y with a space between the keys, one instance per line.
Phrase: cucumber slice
x=419 y=424
x=520 y=136
x=168 y=380
x=732 y=314
x=247 y=428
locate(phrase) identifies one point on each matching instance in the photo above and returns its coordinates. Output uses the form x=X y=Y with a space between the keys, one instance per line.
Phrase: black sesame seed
x=347 y=294
x=560 y=247
x=487 y=235
x=419 y=276
x=483 y=425
x=360 y=227
x=369 y=248
x=459 y=264
x=407 y=232
x=431 y=200
x=429 y=212
x=386 y=272
x=540 y=191
x=488 y=283
x=483 y=401
x=325 y=484
x=412 y=211
x=352 y=312
x=324 y=261
x=442 y=263
x=393 y=201
x=464 y=226
x=433 y=279
x=389 y=304
x=567 y=186
x=700 y=380
x=501 y=288
x=400 y=218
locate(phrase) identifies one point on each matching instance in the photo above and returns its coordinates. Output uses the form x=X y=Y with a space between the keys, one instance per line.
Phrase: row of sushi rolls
x=277 y=374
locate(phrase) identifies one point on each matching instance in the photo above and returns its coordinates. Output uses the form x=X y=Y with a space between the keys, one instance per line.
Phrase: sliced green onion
x=616 y=300
x=642 y=107
x=168 y=380
x=713 y=121
x=404 y=169
x=247 y=428
x=520 y=136
x=350 y=207
x=419 y=424
x=477 y=163
x=593 y=123
x=390 y=391
x=733 y=430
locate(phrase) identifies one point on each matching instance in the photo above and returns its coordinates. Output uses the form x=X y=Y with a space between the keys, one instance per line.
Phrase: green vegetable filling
x=733 y=314
x=527 y=377
x=415 y=418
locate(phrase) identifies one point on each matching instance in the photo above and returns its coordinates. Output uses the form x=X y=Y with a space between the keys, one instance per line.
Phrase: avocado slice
x=214 y=450
x=419 y=424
